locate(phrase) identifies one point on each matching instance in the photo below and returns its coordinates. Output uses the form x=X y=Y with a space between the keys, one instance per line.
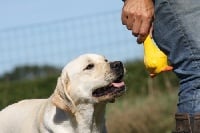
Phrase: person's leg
x=177 y=33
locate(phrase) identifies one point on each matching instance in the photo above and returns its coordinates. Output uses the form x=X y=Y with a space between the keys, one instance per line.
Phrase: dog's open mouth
x=114 y=89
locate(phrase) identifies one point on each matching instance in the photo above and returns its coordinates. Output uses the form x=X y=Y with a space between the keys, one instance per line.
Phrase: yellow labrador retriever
x=78 y=103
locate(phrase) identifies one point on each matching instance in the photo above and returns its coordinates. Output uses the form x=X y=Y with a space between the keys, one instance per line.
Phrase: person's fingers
x=141 y=38
x=136 y=26
x=145 y=27
x=130 y=21
x=127 y=18
x=151 y=31
x=124 y=17
x=144 y=30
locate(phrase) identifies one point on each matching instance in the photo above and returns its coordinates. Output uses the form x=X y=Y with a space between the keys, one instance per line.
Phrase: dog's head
x=90 y=78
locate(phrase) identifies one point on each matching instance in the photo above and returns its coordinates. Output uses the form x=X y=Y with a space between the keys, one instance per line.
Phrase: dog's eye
x=89 y=66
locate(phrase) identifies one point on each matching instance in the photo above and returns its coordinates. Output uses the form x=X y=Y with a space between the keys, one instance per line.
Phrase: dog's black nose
x=118 y=68
x=116 y=65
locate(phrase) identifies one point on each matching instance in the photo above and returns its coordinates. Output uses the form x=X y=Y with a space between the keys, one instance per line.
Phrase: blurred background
x=38 y=38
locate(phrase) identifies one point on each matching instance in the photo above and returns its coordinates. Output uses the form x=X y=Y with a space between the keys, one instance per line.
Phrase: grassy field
x=148 y=106
x=142 y=114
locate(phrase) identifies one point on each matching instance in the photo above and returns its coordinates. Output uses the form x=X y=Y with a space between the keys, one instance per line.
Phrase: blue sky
x=22 y=13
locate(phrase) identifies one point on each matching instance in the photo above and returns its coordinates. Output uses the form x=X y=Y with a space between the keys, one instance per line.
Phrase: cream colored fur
x=71 y=108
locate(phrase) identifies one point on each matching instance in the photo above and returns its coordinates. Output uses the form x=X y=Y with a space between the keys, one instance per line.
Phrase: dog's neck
x=90 y=118
x=87 y=117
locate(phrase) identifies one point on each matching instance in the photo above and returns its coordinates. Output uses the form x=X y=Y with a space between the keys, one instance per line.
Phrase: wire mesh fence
x=55 y=43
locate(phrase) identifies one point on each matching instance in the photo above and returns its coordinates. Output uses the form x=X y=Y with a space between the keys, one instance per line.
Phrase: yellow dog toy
x=154 y=59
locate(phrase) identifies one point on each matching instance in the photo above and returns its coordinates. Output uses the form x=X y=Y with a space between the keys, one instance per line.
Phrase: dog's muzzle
x=116 y=88
x=118 y=68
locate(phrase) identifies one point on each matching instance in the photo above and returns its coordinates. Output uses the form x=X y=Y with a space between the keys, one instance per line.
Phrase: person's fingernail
x=128 y=27
x=135 y=34
x=139 y=40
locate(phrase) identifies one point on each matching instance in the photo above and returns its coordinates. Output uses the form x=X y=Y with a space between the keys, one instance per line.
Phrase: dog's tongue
x=118 y=85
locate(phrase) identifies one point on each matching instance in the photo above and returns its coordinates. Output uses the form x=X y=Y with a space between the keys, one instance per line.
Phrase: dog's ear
x=60 y=97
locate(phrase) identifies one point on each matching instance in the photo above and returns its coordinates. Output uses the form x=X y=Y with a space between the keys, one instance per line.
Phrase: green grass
x=142 y=114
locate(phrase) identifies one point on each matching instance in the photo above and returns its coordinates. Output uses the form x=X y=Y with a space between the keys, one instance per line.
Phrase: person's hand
x=137 y=15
